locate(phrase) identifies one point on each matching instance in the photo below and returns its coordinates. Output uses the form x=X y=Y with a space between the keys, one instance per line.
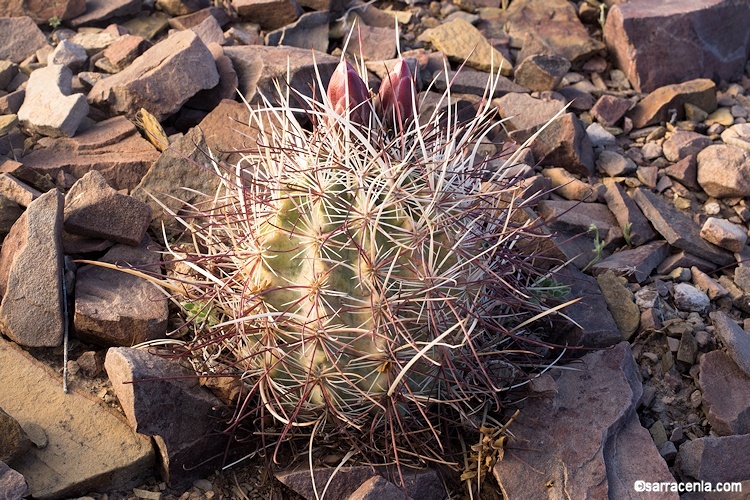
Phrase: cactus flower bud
x=348 y=93
x=396 y=94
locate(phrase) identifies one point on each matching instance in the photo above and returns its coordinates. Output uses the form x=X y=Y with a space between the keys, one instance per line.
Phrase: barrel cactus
x=364 y=271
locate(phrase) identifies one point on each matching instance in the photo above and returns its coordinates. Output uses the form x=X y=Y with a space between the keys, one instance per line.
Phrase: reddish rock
x=14 y=442
x=181 y=7
x=735 y=340
x=270 y=14
x=101 y=10
x=540 y=72
x=467 y=81
x=610 y=109
x=40 y=11
x=310 y=31
x=165 y=401
x=683 y=144
x=628 y=215
x=716 y=459
x=209 y=99
x=122 y=52
x=94 y=209
x=724 y=171
x=31 y=261
x=564 y=143
x=113 y=147
x=726 y=394
x=706 y=39
x=620 y=303
x=373 y=43
x=189 y=20
x=377 y=488
x=655 y=107
x=17 y=191
x=91 y=363
x=10 y=211
x=525 y=113
x=578 y=217
x=635 y=263
x=723 y=233
x=20 y=38
x=161 y=80
x=12 y=483
x=685 y=172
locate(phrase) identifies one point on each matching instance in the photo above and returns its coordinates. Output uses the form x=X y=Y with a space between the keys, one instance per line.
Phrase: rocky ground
x=650 y=166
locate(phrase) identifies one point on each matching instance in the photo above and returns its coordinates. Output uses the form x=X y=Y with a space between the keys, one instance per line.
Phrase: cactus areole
x=364 y=274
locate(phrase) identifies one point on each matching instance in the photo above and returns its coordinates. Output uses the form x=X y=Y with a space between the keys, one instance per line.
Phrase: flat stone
x=620 y=303
x=209 y=31
x=635 y=263
x=549 y=26
x=678 y=229
x=564 y=143
x=166 y=401
x=208 y=99
x=258 y=67
x=723 y=233
x=724 y=171
x=689 y=298
x=195 y=18
x=70 y=54
x=522 y=112
x=310 y=32
x=735 y=340
x=269 y=14
x=102 y=10
x=716 y=459
x=685 y=172
x=121 y=53
x=578 y=218
x=50 y=108
x=95 y=210
x=461 y=42
x=42 y=12
x=372 y=43
x=89 y=447
x=12 y=102
x=654 y=108
x=610 y=109
x=12 y=483
x=181 y=7
x=31 y=313
x=726 y=394
x=569 y=186
x=377 y=488
x=10 y=211
x=541 y=72
x=20 y=38
x=599 y=136
x=628 y=215
x=113 y=308
x=471 y=81
x=112 y=147
x=173 y=71
x=737 y=135
x=14 y=442
x=707 y=284
x=636 y=33
x=17 y=191
x=585 y=441
x=684 y=143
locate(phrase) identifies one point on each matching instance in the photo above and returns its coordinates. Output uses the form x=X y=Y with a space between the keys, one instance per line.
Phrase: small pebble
x=203 y=484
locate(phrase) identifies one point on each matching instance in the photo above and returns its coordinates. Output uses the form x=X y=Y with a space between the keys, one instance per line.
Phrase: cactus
x=368 y=276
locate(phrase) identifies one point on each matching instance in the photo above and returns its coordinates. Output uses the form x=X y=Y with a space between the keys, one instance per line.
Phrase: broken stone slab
x=735 y=339
x=50 y=107
x=578 y=217
x=628 y=215
x=724 y=234
x=269 y=14
x=310 y=32
x=373 y=43
x=207 y=100
x=378 y=488
x=564 y=143
x=716 y=459
x=656 y=106
x=258 y=67
x=10 y=211
x=584 y=441
x=20 y=38
x=95 y=210
x=42 y=12
x=522 y=112
x=102 y=10
x=685 y=172
x=461 y=42
x=113 y=147
x=166 y=401
x=679 y=229
x=14 y=442
x=17 y=191
x=634 y=263
x=609 y=110
x=12 y=483
x=636 y=33
x=568 y=186
x=31 y=262
x=161 y=80
x=726 y=394
x=620 y=303
x=684 y=143
x=89 y=447
x=541 y=72
x=113 y=308
x=724 y=171
x=471 y=81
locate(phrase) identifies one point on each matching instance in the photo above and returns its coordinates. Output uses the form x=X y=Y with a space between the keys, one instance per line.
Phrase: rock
x=564 y=143
x=42 y=12
x=269 y=14
x=471 y=81
x=181 y=7
x=630 y=218
x=94 y=209
x=30 y=275
x=209 y=31
x=525 y=113
x=635 y=263
x=20 y=38
x=689 y=298
x=560 y=445
x=10 y=211
x=620 y=303
x=706 y=284
x=121 y=53
x=578 y=217
x=310 y=32
x=102 y=10
x=723 y=233
x=568 y=186
x=610 y=109
x=655 y=107
x=735 y=339
x=259 y=67
x=461 y=42
x=636 y=33
x=115 y=308
x=541 y=72
x=12 y=102
x=738 y=136
x=12 y=484
x=165 y=401
x=209 y=99
x=50 y=108
x=683 y=143
x=716 y=459
x=89 y=447
x=91 y=363
x=173 y=71
x=599 y=136
x=14 y=442
x=112 y=147
x=188 y=21
x=8 y=71
x=677 y=228
x=377 y=488
x=17 y=191
x=685 y=172
x=687 y=349
x=594 y=326
x=724 y=171
x=372 y=43
x=549 y=26
x=68 y=54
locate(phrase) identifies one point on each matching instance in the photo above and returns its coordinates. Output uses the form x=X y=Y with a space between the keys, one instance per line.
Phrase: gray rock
x=684 y=143
x=12 y=483
x=724 y=171
x=68 y=54
x=31 y=313
x=726 y=394
x=471 y=81
x=599 y=136
x=98 y=11
x=50 y=108
x=689 y=298
x=723 y=233
x=716 y=459
x=161 y=80
x=95 y=210
x=310 y=31
x=565 y=143
x=269 y=14
x=373 y=43
x=20 y=38
x=635 y=263
x=10 y=211
x=525 y=113
x=209 y=31
x=735 y=339
x=185 y=433
x=609 y=110
x=17 y=191
x=615 y=164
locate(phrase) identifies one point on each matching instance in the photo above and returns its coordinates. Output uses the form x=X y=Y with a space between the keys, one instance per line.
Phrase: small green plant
x=598 y=247
x=626 y=234
x=54 y=22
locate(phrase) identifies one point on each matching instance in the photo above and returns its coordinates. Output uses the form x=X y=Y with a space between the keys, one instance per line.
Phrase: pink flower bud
x=397 y=94
x=348 y=93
